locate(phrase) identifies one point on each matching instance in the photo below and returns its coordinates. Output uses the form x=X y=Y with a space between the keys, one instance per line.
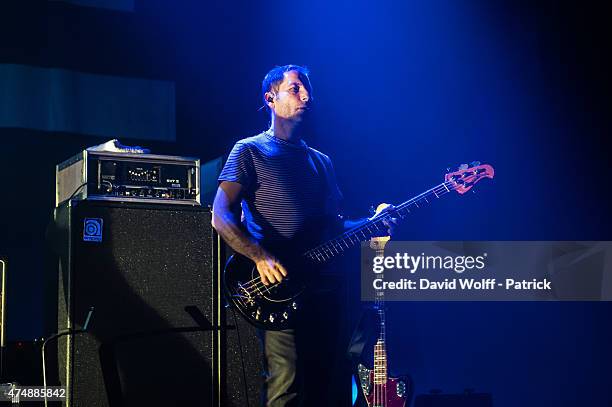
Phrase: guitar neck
x=380 y=349
x=365 y=231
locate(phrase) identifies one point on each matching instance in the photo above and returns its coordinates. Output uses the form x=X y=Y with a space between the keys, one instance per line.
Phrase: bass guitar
x=275 y=306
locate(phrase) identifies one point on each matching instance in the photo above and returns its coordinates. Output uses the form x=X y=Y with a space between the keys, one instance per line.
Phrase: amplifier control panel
x=129 y=177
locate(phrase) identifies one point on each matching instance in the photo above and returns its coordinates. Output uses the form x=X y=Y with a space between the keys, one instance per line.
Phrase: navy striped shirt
x=290 y=190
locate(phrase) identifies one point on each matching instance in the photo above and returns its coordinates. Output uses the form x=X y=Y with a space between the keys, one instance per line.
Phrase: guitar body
x=394 y=392
x=272 y=308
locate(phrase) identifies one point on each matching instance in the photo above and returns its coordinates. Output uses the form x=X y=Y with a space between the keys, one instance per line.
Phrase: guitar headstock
x=467 y=176
x=379 y=242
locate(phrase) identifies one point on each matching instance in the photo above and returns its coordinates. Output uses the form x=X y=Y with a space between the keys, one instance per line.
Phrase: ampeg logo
x=92 y=230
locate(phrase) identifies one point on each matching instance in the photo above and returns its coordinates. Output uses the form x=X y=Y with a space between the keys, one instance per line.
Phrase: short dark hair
x=276 y=76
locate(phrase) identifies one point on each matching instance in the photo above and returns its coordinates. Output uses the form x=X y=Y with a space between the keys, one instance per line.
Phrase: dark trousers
x=307 y=366
x=283 y=386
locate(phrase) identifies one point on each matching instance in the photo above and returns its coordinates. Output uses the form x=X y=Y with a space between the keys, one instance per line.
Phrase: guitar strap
x=332 y=201
x=320 y=167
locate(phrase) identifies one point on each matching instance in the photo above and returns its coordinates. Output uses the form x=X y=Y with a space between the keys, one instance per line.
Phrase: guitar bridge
x=245 y=295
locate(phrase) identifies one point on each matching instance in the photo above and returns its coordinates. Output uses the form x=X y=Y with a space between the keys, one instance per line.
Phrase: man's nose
x=305 y=96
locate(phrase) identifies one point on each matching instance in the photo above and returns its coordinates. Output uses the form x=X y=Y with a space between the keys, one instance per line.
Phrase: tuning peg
x=474 y=163
x=463 y=167
x=448 y=169
x=372 y=210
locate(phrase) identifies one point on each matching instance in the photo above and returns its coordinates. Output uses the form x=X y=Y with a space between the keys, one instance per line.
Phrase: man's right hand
x=270 y=269
x=226 y=220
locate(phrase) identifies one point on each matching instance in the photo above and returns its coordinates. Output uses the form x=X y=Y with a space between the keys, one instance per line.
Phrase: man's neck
x=285 y=130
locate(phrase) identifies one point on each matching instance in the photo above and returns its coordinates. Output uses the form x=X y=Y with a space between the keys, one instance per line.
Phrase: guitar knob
x=294 y=305
x=286 y=315
x=474 y=163
x=272 y=317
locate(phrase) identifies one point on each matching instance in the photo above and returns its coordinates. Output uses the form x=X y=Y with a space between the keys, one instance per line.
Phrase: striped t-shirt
x=290 y=190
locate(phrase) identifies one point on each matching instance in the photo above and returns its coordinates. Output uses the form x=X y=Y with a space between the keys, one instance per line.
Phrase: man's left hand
x=389 y=222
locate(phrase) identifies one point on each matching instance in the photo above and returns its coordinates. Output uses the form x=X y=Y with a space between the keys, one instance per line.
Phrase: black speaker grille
x=150 y=275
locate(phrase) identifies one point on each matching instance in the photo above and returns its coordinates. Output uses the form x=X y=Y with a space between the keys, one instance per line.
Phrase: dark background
x=402 y=90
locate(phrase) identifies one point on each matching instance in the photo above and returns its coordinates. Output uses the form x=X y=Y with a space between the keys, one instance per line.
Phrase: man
x=285 y=191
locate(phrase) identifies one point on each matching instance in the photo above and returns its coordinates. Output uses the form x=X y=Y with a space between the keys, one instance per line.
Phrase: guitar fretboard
x=373 y=227
x=380 y=363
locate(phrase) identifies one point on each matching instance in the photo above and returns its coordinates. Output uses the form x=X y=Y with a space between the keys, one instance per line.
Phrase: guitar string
x=441 y=191
x=256 y=283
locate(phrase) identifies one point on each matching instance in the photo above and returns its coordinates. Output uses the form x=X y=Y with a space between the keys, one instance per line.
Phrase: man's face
x=292 y=98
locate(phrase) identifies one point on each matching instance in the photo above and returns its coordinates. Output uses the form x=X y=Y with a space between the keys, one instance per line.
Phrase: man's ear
x=270 y=98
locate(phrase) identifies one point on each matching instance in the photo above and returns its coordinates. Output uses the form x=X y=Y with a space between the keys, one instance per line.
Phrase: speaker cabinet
x=150 y=272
